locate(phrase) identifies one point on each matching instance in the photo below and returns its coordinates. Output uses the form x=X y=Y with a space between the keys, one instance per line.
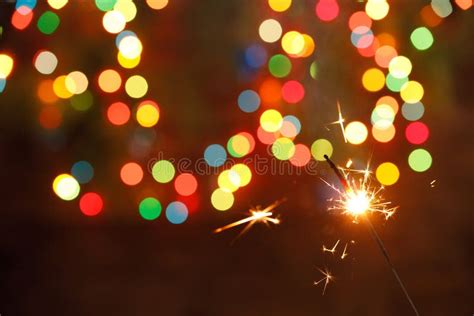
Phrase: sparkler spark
x=344 y=252
x=331 y=250
x=340 y=121
x=359 y=195
x=257 y=215
x=328 y=277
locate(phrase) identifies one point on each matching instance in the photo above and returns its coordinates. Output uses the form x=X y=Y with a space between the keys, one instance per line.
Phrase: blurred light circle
x=215 y=155
x=126 y=62
x=301 y=156
x=185 y=184
x=293 y=43
x=57 y=4
x=157 y=4
x=222 y=200
x=283 y=148
x=66 y=187
x=271 y=120
x=292 y=91
x=390 y=101
x=244 y=173
x=113 y=22
x=127 y=8
x=136 y=86
x=109 y=80
x=395 y=84
x=320 y=148
x=229 y=180
x=387 y=173
x=176 y=212
x=356 y=132
x=421 y=38
x=279 y=5
x=279 y=66
x=373 y=79
x=255 y=56
x=270 y=91
x=382 y=116
x=150 y=208
x=400 y=67
x=383 y=134
x=248 y=101
x=413 y=111
x=420 y=160
x=105 y=5
x=131 y=173
x=270 y=31
x=82 y=171
x=45 y=62
x=118 y=113
x=48 y=22
x=377 y=9
x=6 y=65
x=91 y=204
x=265 y=137
x=412 y=92
x=163 y=171
x=130 y=46
x=291 y=126
x=327 y=10
x=384 y=55
x=60 y=89
x=417 y=133
x=359 y=18
x=148 y=114
x=76 y=82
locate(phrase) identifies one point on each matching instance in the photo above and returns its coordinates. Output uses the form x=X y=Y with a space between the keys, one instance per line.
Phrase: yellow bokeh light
x=229 y=180
x=387 y=173
x=57 y=4
x=356 y=132
x=66 y=187
x=136 y=86
x=244 y=173
x=383 y=116
x=321 y=147
x=126 y=62
x=110 y=80
x=279 y=5
x=60 y=89
x=309 y=46
x=270 y=31
x=271 y=120
x=377 y=9
x=6 y=66
x=400 y=67
x=222 y=200
x=130 y=47
x=147 y=115
x=293 y=43
x=127 y=8
x=157 y=4
x=76 y=82
x=373 y=80
x=412 y=92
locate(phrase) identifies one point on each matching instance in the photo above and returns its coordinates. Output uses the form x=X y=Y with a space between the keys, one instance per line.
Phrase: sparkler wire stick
x=374 y=235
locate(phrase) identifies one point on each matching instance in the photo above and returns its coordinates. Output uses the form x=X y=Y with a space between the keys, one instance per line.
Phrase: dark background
x=55 y=261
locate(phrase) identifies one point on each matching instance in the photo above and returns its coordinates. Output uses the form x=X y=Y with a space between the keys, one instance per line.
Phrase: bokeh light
x=136 y=86
x=148 y=114
x=222 y=200
x=279 y=5
x=185 y=184
x=118 y=113
x=244 y=173
x=66 y=187
x=373 y=79
x=417 y=133
x=229 y=180
x=215 y=155
x=82 y=171
x=271 y=120
x=248 y=101
x=176 y=212
x=279 y=66
x=412 y=92
x=292 y=91
x=400 y=67
x=91 y=204
x=150 y=208
x=163 y=171
x=377 y=9
x=356 y=132
x=131 y=173
x=270 y=31
x=113 y=22
x=48 y=22
x=420 y=160
x=45 y=62
x=413 y=111
x=157 y=4
x=301 y=157
x=387 y=173
x=321 y=147
x=283 y=148
x=109 y=81
x=422 y=38
x=6 y=65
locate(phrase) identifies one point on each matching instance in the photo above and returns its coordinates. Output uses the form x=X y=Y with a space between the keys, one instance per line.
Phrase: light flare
x=328 y=277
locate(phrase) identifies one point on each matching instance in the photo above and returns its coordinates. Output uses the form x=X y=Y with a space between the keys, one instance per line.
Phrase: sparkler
x=257 y=215
x=344 y=252
x=327 y=278
x=359 y=199
x=331 y=250
x=340 y=121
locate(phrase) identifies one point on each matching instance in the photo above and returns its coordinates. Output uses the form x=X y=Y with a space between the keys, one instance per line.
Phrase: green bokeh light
x=420 y=160
x=150 y=208
x=279 y=66
x=48 y=22
x=421 y=38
